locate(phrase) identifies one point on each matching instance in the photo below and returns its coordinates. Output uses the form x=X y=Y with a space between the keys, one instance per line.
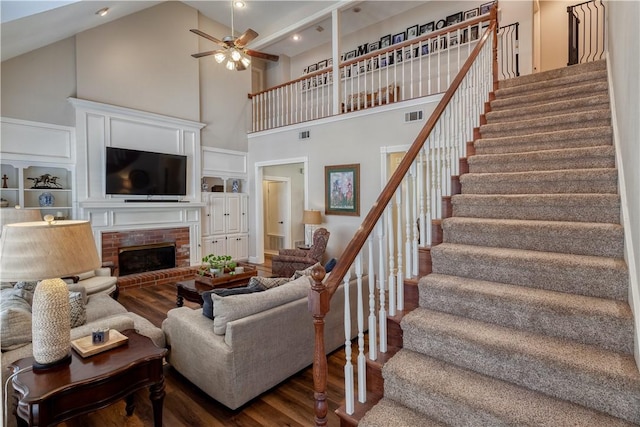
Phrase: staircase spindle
x=373 y=351
x=362 y=361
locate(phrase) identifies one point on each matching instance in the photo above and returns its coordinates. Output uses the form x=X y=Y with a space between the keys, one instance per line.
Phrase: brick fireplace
x=113 y=242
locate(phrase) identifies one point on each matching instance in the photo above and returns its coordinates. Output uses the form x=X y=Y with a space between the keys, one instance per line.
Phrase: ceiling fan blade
x=201 y=54
x=245 y=38
x=261 y=55
x=208 y=37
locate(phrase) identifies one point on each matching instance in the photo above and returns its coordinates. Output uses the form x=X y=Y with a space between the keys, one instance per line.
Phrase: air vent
x=304 y=134
x=413 y=116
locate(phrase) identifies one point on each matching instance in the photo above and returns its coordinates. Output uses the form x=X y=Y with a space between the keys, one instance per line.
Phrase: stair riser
x=560 y=186
x=516 y=129
x=592 y=242
x=611 y=333
x=547 y=110
x=557 y=380
x=540 y=209
x=591 y=280
x=554 y=74
x=544 y=97
x=525 y=166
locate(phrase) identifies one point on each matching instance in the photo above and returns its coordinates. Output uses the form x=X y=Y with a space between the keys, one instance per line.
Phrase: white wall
x=36 y=85
x=142 y=61
x=554 y=30
x=624 y=56
x=357 y=139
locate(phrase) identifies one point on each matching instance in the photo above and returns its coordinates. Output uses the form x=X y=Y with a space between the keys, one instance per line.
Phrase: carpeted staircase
x=525 y=320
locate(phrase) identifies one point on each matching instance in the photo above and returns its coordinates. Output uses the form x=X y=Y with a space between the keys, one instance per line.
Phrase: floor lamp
x=45 y=251
x=311 y=218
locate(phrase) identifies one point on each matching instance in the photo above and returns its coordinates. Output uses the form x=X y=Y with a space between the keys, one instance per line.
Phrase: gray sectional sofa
x=254 y=342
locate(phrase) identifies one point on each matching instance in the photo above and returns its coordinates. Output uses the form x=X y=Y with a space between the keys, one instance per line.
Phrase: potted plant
x=216 y=264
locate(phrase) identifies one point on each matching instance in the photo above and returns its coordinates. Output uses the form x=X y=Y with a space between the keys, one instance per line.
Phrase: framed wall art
x=385 y=41
x=342 y=190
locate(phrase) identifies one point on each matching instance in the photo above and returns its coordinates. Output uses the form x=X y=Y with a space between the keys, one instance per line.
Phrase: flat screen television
x=133 y=172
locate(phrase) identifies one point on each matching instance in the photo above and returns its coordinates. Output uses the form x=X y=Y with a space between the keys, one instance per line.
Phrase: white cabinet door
x=238 y=246
x=233 y=213
x=244 y=213
x=217 y=211
x=214 y=245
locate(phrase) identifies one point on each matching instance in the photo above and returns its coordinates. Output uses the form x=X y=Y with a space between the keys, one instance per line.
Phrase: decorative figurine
x=5 y=178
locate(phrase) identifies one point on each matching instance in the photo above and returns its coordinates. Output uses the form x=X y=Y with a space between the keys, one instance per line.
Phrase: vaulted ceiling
x=28 y=25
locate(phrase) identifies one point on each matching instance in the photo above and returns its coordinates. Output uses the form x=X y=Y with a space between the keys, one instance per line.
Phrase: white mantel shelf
x=133 y=205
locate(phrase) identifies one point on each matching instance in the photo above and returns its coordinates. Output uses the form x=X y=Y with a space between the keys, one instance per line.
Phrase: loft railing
x=586 y=32
x=387 y=242
x=415 y=68
x=509 y=51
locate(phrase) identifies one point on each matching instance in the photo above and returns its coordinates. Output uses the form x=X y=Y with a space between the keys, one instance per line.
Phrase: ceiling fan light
x=245 y=61
x=235 y=55
x=219 y=56
x=230 y=65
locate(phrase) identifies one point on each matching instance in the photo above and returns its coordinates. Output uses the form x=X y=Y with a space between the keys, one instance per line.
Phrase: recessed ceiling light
x=239 y=4
x=103 y=11
x=296 y=37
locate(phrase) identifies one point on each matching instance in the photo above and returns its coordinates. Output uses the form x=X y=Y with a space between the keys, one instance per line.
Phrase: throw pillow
x=78 y=310
x=15 y=318
x=207 y=302
x=329 y=266
x=306 y=272
x=237 y=307
x=264 y=283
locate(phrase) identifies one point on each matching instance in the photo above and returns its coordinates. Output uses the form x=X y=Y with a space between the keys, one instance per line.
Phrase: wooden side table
x=51 y=397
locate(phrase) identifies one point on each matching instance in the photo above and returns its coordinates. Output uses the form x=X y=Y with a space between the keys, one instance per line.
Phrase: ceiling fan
x=233 y=48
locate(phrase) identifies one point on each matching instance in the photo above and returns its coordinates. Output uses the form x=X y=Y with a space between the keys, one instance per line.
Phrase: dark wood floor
x=288 y=404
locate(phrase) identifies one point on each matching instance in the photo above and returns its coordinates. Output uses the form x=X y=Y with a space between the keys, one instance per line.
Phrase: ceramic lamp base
x=51 y=322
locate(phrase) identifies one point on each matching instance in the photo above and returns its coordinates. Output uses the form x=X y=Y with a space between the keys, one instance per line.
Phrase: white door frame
x=287 y=220
x=259 y=199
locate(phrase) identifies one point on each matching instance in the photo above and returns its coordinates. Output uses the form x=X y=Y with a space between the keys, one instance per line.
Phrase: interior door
x=276 y=214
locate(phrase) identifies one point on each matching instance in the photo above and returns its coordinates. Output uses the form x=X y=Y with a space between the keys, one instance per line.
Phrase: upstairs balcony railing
x=415 y=68
x=586 y=32
x=385 y=246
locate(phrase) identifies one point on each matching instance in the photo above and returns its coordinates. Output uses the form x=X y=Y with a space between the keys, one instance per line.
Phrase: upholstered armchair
x=288 y=261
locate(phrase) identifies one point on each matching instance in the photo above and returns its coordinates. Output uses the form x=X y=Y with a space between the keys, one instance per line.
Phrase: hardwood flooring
x=288 y=404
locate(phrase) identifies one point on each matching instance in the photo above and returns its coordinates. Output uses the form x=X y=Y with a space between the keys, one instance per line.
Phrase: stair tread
x=571 y=199
x=589 y=320
x=535 y=98
x=582 y=118
x=532 y=156
x=549 y=85
x=387 y=413
x=490 y=401
x=552 y=74
x=552 y=175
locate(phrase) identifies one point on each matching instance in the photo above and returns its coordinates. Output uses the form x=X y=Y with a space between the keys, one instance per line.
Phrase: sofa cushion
x=306 y=272
x=235 y=307
x=264 y=283
x=77 y=309
x=207 y=302
x=15 y=318
x=86 y=275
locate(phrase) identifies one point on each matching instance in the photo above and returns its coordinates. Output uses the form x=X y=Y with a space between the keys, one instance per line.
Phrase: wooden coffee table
x=192 y=290
x=87 y=384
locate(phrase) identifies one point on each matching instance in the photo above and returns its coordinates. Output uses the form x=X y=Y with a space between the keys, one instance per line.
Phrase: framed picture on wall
x=374 y=46
x=412 y=32
x=485 y=8
x=322 y=64
x=313 y=67
x=385 y=41
x=454 y=19
x=399 y=38
x=471 y=13
x=427 y=28
x=342 y=190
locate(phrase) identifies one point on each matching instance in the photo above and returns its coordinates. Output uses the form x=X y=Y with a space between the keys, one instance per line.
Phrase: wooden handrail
x=392 y=48
x=320 y=293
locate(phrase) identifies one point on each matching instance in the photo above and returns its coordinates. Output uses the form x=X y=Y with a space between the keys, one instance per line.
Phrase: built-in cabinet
x=48 y=187
x=225 y=225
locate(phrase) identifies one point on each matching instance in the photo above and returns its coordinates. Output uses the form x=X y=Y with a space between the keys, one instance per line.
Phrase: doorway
x=277 y=210
x=271 y=177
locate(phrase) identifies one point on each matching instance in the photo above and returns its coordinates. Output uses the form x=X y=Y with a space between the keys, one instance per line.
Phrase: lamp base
x=40 y=367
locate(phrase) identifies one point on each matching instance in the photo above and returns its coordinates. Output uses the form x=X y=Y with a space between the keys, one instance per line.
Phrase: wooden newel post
x=319 y=307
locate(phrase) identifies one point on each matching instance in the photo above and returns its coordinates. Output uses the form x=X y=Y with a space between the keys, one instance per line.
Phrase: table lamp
x=311 y=218
x=13 y=215
x=45 y=251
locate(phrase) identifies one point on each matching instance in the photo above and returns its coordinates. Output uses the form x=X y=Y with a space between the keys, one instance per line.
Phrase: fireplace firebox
x=149 y=257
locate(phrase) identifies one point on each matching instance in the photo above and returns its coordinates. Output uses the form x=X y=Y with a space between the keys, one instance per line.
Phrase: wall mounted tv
x=133 y=172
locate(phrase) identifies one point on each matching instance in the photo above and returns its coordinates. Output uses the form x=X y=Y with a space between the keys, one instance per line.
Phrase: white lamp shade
x=311 y=217
x=39 y=250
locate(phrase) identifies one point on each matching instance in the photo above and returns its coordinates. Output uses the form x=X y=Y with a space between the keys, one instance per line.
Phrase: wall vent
x=304 y=134
x=413 y=116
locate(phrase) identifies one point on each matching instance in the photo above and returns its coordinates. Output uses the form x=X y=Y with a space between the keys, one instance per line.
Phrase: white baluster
x=362 y=361
x=348 y=366
x=392 y=265
x=399 y=256
x=422 y=213
x=373 y=352
x=408 y=225
x=414 y=218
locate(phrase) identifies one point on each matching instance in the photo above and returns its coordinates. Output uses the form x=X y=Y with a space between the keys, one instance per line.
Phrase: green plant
x=217 y=261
